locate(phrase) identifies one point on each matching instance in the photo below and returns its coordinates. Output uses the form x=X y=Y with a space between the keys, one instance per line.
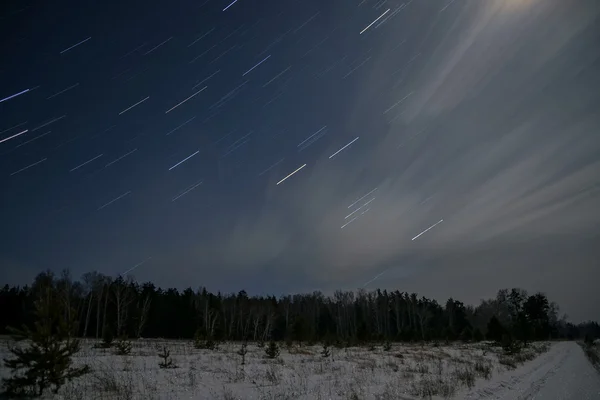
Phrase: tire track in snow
x=536 y=385
x=511 y=386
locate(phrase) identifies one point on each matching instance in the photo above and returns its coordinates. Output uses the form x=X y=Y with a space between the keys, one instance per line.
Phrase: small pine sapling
x=477 y=335
x=272 y=350
x=509 y=345
x=45 y=363
x=201 y=341
x=167 y=361
x=123 y=346
x=325 y=352
x=198 y=339
x=107 y=339
x=387 y=346
x=210 y=344
x=242 y=352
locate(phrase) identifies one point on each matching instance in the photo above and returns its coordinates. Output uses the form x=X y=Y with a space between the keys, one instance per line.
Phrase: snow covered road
x=563 y=373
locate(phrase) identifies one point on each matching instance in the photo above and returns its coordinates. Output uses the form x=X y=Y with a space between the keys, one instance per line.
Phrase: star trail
x=280 y=146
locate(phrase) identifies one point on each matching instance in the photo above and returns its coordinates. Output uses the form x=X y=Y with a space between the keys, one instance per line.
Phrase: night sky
x=450 y=148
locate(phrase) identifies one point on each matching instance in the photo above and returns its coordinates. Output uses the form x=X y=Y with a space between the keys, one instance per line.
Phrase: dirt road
x=563 y=373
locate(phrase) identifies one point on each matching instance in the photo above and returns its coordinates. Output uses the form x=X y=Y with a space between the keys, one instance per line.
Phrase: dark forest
x=121 y=307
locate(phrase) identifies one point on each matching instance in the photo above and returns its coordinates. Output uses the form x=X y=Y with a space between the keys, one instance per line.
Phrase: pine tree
x=202 y=341
x=107 y=339
x=272 y=351
x=325 y=352
x=46 y=362
x=509 y=345
x=466 y=334
x=167 y=361
x=124 y=346
x=477 y=335
x=495 y=330
x=242 y=352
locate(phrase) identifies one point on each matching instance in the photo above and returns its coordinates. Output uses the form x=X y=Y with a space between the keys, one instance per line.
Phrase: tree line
x=120 y=307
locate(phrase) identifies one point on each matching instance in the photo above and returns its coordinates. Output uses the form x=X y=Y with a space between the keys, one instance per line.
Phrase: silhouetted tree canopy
x=122 y=307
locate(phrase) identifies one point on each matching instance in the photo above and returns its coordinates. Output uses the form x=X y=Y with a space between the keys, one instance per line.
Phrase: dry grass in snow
x=403 y=372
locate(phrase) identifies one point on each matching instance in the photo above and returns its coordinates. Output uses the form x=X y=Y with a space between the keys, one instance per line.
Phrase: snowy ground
x=405 y=372
x=561 y=373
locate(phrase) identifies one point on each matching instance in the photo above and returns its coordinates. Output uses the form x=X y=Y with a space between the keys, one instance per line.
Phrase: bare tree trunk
x=123 y=299
x=267 y=331
x=246 y=329
x=212 y=320
x=206 y=317
x=105 y=307
x=144 y=309
x=257 y=319
x=98 y=308
x=424 y=316
x=87 y=314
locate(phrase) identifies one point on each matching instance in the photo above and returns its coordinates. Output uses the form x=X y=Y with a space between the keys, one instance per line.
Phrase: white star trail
x=186 y=191
x=277 y=76
x=350 y=206
x=75 y=45
x=398 y=102
x=393 y=14
x=447 y=5
x=14 y=136
x=120 y=158
x=133 y=51
x=136 y=265
x=291 y=174
x=203 y=53
x=205 y=79
x=348 y=223
x=87 y=162
x=334 y=154
x=247 y=72
x=357 y=67
x=31 y=140
x=180 y=126
x=378 y=18
x=238 y=143
x=230 y=4
x=184 y=160
x=174 y=107
x=228 y=96
x=307 y=22
x=138 y=103
x=355 y=211
x=200 y=38
x=156 y=47
x=13 y=127
x=375 y=278
x=47 y=123
x=14 y=95
x=234 y=147
x=113 y=200
x=62 y=91
x=271 y=167
x=439 y=222
x=29 y=166
x=313 y=139
x=308 y=138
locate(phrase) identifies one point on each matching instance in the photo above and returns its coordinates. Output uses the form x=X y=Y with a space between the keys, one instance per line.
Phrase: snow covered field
x=473 y=371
